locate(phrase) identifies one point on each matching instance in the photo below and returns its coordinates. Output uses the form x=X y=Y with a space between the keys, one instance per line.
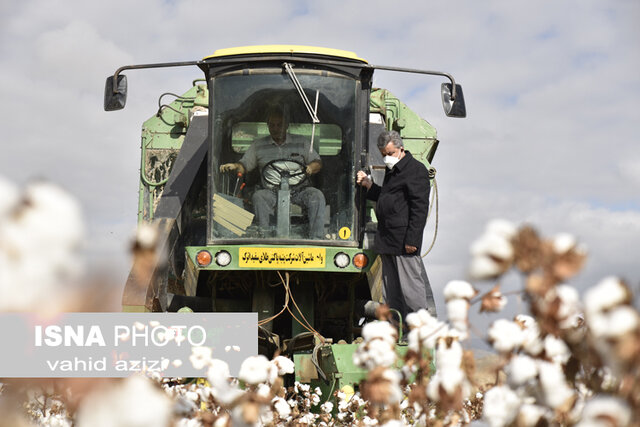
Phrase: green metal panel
x=161 y=140
x=336 y=360
x=349 y=372
x=418 y=135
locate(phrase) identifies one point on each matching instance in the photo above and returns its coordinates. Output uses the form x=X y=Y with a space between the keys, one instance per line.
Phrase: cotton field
x=567 y=361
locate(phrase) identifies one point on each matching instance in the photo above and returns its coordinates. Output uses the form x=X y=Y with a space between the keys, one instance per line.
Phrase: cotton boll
x=420 y=318
x=382 y=387
x=221 y=389
x=447 y=380
x=483 y=267
x=532 y=343
x=255 y=370
x=381 y=330
x=527 y=321
x=505 y=335
x=132 y=402
x=281 y=406
x=52 y=216
x=501 y=405
x=459 y=289
x=426 y=317
x=502 y=227
x=218 y=372
x=302 y=388
x=598 y=325
x=622 y=320
x=570 y=310
x=414 y=341
x=607 y=294
x=372 y=354
x=605 y=408
x=570 y=299
x=448 y=354
x=413 y=320
x=457 y=312
x=493 y=245
x=554 y=385
x=425 y=330
x=327 y=407
x=449 y=377
x=429 y=334
x=563 y=243
x=263 y=390
x=46 y=218
x=272 y=373
x=530 y=415
x=224 y=420
x=556 y=350
x=521 y=370
x=284 y=365
x=200 y=357
x=615 y=323
x=394 y=377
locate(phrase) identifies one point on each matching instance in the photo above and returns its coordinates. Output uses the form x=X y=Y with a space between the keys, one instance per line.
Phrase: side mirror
x=453 y=107
x=115 y=96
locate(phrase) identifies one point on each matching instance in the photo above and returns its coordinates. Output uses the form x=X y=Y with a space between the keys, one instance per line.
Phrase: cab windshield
x=282 y=163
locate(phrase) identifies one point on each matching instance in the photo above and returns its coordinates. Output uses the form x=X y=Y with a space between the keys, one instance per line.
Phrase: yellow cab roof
x=286 y=49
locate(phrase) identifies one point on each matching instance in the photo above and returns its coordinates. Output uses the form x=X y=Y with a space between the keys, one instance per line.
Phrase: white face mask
x=390 y=161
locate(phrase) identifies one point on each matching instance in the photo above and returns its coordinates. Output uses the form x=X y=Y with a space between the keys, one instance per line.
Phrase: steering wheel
x=291 y=169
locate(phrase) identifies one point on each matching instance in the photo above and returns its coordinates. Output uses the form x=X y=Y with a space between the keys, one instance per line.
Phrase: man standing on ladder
x=402 y=204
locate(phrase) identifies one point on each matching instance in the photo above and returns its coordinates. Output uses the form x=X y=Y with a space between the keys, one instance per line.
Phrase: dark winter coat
x=402 y=206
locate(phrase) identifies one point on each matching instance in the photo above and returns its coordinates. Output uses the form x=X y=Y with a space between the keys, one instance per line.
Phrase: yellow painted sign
x=344 y=233
x=282 y=257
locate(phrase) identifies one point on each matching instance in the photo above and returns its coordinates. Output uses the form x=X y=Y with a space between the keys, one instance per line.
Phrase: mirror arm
x=158 y=65
x=413 y=70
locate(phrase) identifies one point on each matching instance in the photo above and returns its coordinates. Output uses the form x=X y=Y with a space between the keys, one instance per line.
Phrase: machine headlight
x=341 y=260
x=223 y=258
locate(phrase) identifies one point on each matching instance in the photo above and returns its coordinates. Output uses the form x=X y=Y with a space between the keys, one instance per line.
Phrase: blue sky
x=552 y=91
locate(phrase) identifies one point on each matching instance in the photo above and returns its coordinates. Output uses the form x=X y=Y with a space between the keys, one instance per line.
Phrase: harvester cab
x=249 y=178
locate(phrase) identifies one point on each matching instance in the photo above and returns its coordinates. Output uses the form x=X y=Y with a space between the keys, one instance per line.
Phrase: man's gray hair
x=388 y=136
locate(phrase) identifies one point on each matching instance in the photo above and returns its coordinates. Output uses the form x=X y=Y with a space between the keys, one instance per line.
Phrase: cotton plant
x=45 y=404
x=449 y=386
x=132 y=402
x=411 y=394
x=567 y=361
x=41 y=219
x=493 y=252
x=255 y=397
x=378 y=346
x=424 y=330
x=457 y=296
x=567 y=352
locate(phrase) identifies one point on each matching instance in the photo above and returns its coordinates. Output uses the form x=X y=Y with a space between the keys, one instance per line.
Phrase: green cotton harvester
x=310 y=292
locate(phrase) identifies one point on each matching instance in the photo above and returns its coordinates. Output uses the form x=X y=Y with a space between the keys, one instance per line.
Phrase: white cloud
x=76 y=56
